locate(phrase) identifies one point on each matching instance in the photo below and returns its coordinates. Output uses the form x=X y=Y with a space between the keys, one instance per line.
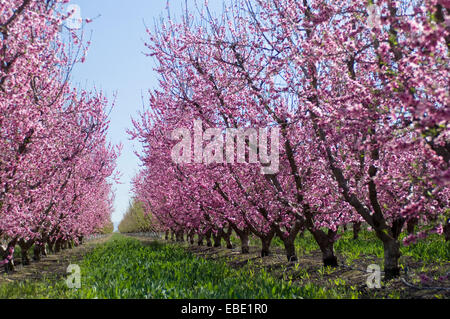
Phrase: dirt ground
x=309 y=269
x=51 y=266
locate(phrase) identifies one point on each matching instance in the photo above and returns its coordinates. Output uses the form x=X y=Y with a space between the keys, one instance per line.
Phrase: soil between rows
x=53 y=266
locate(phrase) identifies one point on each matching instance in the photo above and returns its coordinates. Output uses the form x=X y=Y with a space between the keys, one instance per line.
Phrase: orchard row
x=54 y=158
x=361 y=105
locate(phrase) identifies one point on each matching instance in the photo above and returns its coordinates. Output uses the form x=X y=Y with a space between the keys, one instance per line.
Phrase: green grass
x=46 y=288
x=124 y=268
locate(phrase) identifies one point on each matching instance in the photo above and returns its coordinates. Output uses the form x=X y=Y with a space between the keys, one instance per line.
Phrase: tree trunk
x=217 y=238
x=356 y=230
x=37 y=252
x=227 y=237
x=266 y=240
x=328 y=257
x=191 y=235
x=391 y=257
x=411 y=225
x=265 y=246
x=166 y=236
x=24 y=247
x=8 y=256
x=326 y=244
x=208 y=238
x=243 y=237
x=180 y=236
x=289 y=247
x=50 y=246
x=44 y=250
x=447 y=230
x=200 y=239
x=57 y=246
x=289 y=240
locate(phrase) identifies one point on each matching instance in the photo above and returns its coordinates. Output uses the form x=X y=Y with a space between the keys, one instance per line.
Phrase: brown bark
x=289 y=247
x=411 y=225
x=265 y=244
x=356 y=230
x=191 y=235
x=226 y=235
x=243 y=237
x=24 y=247
x=447 y=230
x=326 y=244
x=217 y=238
x=58 y=246
x=391 y=256
x=38 y=251
x=9 y=266
x=200 y=239
x=208 y=238
x=50 y=244
x=180 y=236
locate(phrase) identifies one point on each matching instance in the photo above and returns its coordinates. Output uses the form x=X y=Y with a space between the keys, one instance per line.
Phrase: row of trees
x=54 y=158
x=136 y=220
x=360 y=101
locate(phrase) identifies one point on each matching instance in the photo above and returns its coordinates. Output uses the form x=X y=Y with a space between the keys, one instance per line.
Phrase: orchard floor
x=428 y=268
x=52 y=267
x=417 y=283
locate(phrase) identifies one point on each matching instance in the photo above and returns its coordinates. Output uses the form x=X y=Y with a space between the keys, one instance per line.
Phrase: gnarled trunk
x=289 y=239
x=391 y=248
x=24 y=247
x=227 y=237
x=411 y=225
x=217 y=238
x=289 y=247
x=58 y=246
x=326 y=244
x=7 y=256
x=200 y=239
x=447 y=230
x=266 y=240
x=51 y=246
x=38 y=251
x=265 y=246
x=180 y=236
x=356 y=230
x=391 y=257
x=191 y=235
x=208 y=238
x=243 y=237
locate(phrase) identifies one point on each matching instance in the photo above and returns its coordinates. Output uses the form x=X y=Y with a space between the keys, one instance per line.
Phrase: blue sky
x=116 y=64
